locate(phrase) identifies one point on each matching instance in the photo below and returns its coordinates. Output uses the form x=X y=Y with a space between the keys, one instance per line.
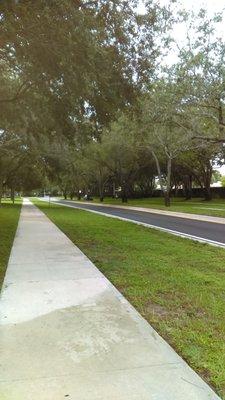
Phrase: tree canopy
x=86 y=98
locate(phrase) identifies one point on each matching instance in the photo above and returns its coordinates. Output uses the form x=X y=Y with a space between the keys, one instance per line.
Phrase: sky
x=212 y=7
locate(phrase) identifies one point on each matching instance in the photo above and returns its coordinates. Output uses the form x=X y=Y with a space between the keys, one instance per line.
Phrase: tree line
x=89 y=101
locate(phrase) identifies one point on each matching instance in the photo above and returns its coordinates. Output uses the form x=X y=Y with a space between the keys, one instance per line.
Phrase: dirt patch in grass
x=156 y=310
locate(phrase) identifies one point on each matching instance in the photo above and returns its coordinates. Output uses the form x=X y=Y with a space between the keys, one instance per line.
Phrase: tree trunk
x=176 y=190
x=167 y=198
x=207 y=193
x=168 y=183
x=207 y=182
x=124 y=193
x=188 y=187
x=101 y=196
x=72 y=194
x=158 y=171
x=114 y=190
x=101 y=192
x=166 y=192
x=12 y=195
x=221 y=122
x=1 y=192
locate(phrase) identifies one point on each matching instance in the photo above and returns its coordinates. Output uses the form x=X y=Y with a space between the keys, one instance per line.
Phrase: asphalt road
x=209 y=232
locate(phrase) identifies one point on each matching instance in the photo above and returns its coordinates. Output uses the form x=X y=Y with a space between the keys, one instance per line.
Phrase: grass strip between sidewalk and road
x=9 y=217
x=176 y=284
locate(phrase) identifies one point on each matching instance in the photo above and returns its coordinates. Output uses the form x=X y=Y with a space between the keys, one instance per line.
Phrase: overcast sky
x=211 y=5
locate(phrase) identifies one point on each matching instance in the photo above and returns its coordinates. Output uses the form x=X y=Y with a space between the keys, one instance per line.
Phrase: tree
x=96 y=166
x=216 y=176
x=121 y=154
x=83 y=56
x=164 y=129
x=223 y=181
x=199 y=164
x=201 y=66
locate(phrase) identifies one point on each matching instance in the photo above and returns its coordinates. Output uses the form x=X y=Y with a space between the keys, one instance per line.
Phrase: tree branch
x=207 y=139
x=22 y=89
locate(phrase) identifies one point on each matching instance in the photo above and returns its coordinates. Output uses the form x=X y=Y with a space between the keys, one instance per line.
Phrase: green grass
x=9 y=216
x=178 y=285
x=214 y=208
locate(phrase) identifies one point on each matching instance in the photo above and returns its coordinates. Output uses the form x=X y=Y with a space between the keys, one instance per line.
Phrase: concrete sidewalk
x=66 y=332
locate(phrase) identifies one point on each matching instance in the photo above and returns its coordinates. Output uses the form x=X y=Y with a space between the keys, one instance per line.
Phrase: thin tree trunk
x=101 y=192
x=207 y=190
x=114 y=190
x=1 y=192
x=189 y=188
x=221 y=122
x=175 y=189
x=124 y=192
x=168 y=183
x=208 y=177
x=166 y=192
x=12 y=195
x=207 y=194
x=158 y=171
x=101 y=186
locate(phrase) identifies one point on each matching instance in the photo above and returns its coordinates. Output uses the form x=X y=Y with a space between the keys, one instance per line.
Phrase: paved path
x=66 y=332
x=201 y=230
x=198 y=217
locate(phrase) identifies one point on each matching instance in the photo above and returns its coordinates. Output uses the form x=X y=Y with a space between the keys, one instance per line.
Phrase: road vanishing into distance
x=203 y=231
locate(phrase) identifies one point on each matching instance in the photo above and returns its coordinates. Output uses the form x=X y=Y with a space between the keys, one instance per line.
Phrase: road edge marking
x=167 y=230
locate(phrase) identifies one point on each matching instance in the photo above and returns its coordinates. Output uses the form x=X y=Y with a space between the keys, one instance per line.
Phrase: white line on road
x=172 y=232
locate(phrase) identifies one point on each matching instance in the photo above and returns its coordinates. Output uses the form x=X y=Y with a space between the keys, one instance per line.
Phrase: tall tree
x=164 y=128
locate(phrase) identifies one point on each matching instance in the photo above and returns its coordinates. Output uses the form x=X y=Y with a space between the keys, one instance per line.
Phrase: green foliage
x=67 y=68
x=216 y=176
x=81 y=56
x=82 y=90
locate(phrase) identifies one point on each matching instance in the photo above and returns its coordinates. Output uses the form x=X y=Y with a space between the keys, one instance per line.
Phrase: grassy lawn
x=9 y=216
x=178 y=285
x=215 y=208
